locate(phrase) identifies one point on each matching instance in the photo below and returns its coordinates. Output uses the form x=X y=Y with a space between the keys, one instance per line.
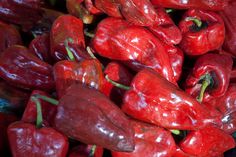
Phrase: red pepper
x=9 y=36
x=109 y=7
x=180 y=153
x=233 y=75
x=189 y=4
x=67 y=32
x=207 y=142
x=40 y=47
x=202 y=31
x=20 y=68
x=25 y=13
x=229 y=17
x=210 y=77
x=27 y=140
x=88 y=72
x=165 y=29
x=153 y=99
x=86 y=151
x=90 y=6
x=150 y=141
x=86 y=115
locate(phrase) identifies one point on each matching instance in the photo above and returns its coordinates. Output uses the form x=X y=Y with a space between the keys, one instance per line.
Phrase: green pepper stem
x=195 y=20
x=92 y=152
x=169 y=11
x=39 y=119
x=70 y=54
x=90 y=52
x=117 y=84
x=88 y=34
x=47 y=99
x=205 y=83
x=176 y=132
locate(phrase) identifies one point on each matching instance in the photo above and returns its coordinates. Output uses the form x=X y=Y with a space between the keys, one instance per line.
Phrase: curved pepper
x=202 y=31
x=155 y=100
x=150 y=141
x=22 y=69
x=9 y=36
x=87 y=72
x=109 y=7
x=67 y=31
x=207 y=142
x=210 y=77
x=86 y=115
x=190 y=4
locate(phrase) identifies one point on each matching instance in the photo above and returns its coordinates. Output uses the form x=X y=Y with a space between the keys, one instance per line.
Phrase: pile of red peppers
x=117 y=78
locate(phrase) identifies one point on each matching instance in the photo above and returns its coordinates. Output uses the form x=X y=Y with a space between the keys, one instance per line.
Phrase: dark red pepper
x=207 y=142
x=202 y=31
x=150 y=141
x=22 y=69
x=210 y=77
x=190 y=4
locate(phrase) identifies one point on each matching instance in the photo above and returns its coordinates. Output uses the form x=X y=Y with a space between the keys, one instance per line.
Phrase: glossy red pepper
x=202 y=31
x=87 y=72
x=86 y=115
x=25 y=13
x=40 y=47
x=20 y=68
x=190 y=4
x=180 y=153
x=67 y=31
x=150 y=141
x=86 y=151
x=207 y=142
x=90 y=6
x=9 y=36
x=109 y=7
x=165 y=29
x=210 y=77
x=153 y=99
x=27 y=140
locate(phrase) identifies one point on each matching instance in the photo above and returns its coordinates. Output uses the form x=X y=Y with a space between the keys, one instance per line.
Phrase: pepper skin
x=67 y=27
x=9 y=36
x=207 y=142
x=155 y=100
x=150 y=141
x=109 y=7
x=218 y=67
x=48 y=110
x=86 y=151
x=20 y=68
x=165 y=29
x=26 y=140
x=87 y=72
x=86 y=115
x=24 y=12
x=190 y=4
x=90 y=6
x=198 y=40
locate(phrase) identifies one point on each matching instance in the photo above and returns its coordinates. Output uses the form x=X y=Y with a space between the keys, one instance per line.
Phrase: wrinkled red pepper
x=190 y=4
x=153 y=99
x=22 y=69
x=150 y=141
x=86 y=115
x=86 y=151
x=9 y=36
x=202 y=31
x=88 y=72
x=207 y=142
x=210 y=77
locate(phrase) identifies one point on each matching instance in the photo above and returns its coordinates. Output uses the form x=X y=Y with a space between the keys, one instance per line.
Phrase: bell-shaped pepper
x=202 y=31
x=67 y=33
x=150 y=141
x=9 y=36
x=207 y=142
x=210 y=77
x=109 y=7
x=22 y=69
x=153 y=99
x=86 y=151
x=88 y=72
x=87 y=115
x=190 y=4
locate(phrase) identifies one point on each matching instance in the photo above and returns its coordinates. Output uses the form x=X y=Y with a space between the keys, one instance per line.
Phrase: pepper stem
x=88 y=34
x=70 y=54
x=205 y=83
x=90 y=52
x=195 y=20
x=47 y=99
x=169 y=11
x=117 y=84
x=39 y=119
x=92 y=152
x=176 y=132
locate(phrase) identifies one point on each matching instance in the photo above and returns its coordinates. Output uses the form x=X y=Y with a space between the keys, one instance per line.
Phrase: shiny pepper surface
x=109 y=7
x=87 y=115
x=22 y=69
x=199 y=39
x=155 y=100
x=26 y=140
